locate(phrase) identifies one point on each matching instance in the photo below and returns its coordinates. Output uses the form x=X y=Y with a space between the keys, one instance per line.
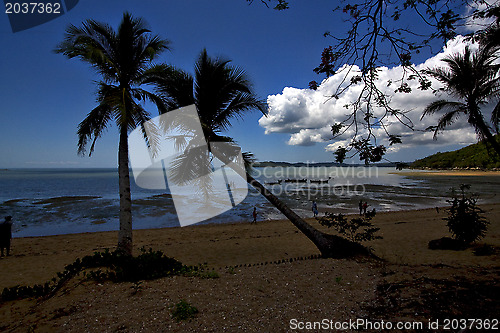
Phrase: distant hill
x=470 y=157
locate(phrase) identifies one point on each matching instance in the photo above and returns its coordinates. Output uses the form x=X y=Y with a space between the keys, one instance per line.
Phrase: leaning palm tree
x=222 y=92
x=123 y=60
x=472 y=78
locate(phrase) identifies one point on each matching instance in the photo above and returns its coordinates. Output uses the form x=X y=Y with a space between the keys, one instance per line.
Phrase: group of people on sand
x=6 y=234
x=362 y=207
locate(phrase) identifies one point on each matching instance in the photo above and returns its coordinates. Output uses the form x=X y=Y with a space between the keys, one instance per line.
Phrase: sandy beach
x=451 y=173
x=410 y=283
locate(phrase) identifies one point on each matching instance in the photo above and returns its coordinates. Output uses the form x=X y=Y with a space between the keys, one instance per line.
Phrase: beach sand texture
x=257 y=298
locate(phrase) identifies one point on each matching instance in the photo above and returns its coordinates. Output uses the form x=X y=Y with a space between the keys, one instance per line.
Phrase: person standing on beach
x=315 y=208
x=360 y=205
x=254 y=214
x=365 y=206
x=6 y=234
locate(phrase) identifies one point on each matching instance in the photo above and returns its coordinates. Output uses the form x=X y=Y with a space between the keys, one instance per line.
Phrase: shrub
x=118 y=268
x=183 y=311
x=356 y=230
x=465 y=219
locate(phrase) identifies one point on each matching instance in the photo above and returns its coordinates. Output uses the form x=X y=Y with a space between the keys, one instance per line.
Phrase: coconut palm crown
x=123 y=60
x=220 y=91
x=472 y=78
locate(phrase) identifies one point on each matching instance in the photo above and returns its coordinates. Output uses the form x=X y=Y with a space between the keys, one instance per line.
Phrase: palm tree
x=472 y=78
x=222 y=92
x=123 y=60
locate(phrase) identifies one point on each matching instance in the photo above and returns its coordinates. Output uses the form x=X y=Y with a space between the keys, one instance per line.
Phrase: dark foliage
x=473 y=156
x=183 y=311
x=118 y=267
x=357 y=229
x=465 y=219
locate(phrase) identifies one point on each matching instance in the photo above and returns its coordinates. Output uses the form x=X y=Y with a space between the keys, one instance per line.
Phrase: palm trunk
x=494 y=143
x=125 y=233
x=479 y=123
x=330 y=246
x=490 y=139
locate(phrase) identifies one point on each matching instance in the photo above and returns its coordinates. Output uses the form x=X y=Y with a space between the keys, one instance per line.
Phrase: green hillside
x=473 y=156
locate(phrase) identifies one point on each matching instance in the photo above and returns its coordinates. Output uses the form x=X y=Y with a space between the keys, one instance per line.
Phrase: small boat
x=288 y=180
x=274 y=183
x=320 y=181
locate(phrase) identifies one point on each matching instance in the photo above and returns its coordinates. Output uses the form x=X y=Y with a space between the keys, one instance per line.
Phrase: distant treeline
x=315 y=164
x=475 y=156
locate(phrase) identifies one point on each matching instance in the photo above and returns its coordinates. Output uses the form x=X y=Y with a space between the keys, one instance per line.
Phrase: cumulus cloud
x=307 y=115
x=475 y=24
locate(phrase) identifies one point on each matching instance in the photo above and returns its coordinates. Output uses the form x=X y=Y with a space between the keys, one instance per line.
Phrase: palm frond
x=443 y=105
x=92 y=127
x=237 y=107
x=156 y=99
x=117 y=56
x=175 y=85
x=151 y=133
x=92 y=43
x=190 y=165
x=248 y=160
x=446 y=120
x=222 y=92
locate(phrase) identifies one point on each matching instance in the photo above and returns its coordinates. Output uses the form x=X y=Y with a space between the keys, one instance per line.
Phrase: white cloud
x=475 y=24
x=307 y=115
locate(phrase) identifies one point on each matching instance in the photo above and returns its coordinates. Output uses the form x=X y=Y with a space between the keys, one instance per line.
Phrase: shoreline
x=202 y=224
x=446 y=172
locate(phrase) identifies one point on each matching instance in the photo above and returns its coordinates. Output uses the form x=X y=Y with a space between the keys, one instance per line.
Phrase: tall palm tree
x=473 y=79
x=222 y=92
x=123 y=60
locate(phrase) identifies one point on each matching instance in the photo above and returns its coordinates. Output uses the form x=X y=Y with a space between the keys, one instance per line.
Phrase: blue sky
x=44 y=96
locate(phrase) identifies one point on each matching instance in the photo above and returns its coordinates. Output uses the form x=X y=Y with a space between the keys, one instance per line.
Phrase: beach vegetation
x=465 y=219
x=112 y=266
x=123 y=60
x=472 y=79
x=136 y=287
x=183 y=311
x=475 y=156
x=222 y=93
x=356 y=229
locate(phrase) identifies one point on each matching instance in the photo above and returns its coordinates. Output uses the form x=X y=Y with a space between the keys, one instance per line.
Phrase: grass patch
x=183 y=311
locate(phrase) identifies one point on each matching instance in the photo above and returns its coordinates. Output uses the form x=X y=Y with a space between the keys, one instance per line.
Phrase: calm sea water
x=61 y=201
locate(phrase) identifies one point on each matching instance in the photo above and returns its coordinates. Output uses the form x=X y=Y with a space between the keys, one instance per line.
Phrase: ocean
x=62 y=201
